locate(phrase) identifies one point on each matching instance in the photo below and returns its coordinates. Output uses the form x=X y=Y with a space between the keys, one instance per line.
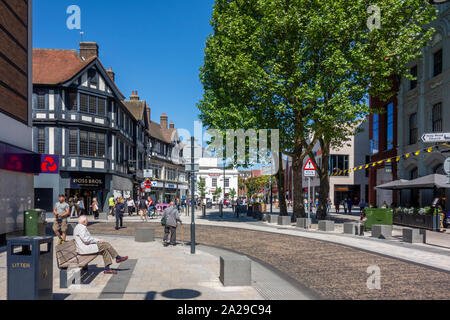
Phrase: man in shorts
x=61 y=212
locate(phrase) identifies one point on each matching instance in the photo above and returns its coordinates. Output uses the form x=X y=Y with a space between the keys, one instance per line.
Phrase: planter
x=412 y=220
x=378 y=217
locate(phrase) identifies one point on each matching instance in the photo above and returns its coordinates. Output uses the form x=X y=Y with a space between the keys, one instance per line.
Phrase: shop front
x=87 y=186
x=342 y=192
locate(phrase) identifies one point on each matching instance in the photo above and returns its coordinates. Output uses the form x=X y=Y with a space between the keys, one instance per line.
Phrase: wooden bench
x=67 y=257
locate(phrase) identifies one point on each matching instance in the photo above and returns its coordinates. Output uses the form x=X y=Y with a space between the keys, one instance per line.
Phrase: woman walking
x=120 y=210
x=95 y=208
x=131 y=205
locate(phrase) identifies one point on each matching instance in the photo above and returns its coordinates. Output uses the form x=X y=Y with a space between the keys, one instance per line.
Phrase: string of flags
x=389 y=160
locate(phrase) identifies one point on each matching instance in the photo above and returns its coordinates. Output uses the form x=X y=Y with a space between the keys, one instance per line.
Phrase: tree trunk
x=281 y=189
x=324 y=190
x=297 y=167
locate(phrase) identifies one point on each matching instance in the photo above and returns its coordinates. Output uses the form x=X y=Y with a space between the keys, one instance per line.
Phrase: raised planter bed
x=413 y=220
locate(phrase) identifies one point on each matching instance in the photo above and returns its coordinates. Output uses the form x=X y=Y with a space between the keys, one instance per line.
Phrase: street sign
x=436 y=137
x=148 y=173
x=309 y=170
x=192 y=167
x=447 y=166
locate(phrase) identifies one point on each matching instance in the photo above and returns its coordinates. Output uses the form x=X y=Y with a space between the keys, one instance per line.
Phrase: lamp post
x=192 y=198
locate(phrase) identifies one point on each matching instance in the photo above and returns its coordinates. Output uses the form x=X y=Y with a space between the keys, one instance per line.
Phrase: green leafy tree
x=218 y=193
x=202 y=189
x=232 y=194
x=306 y=67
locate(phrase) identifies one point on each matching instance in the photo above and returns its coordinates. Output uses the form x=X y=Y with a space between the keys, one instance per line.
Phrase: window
x=414 y=174
x=73 y=105
x=437 y=117
x=101 y=106
x=84 y=107
x=375 y=134
x=413 y=83
x=92 y=74
x=227 y=182
x=73 y=142
x=339 y=163
x=437 y=63
x=41 y=100
x=390 y=127
x=413 y=128
x=41 y=140
x=101 y=145
x=93 y=105
x=84 y=143
x=214 y=182
x=92 y=144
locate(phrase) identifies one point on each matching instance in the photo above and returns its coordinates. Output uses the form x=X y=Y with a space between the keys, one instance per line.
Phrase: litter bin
x=221 y=210
x=35 y=223
x=378 y=216
x=204 y=210
x=30 y=268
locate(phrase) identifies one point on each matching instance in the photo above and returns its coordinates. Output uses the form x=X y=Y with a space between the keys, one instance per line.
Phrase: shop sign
x=87 y=182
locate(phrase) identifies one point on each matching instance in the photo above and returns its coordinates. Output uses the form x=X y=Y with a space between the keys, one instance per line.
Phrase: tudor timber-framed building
x=79 y=114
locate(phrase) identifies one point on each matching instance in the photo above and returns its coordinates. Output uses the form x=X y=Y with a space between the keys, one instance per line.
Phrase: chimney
x=171 y=125
x=88 y=50
x=134 y=96
x=111 y=74
x=148 y=113
x=164 y=120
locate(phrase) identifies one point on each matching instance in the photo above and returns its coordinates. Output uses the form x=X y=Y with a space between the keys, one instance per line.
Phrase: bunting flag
x=389 y=160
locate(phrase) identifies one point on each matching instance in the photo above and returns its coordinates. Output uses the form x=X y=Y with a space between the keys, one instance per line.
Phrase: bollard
x=221 y=210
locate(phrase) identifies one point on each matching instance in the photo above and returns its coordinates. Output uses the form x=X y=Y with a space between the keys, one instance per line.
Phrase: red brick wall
x=14 y=58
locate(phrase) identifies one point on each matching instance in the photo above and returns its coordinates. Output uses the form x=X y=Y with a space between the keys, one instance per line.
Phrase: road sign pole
x=309 y=197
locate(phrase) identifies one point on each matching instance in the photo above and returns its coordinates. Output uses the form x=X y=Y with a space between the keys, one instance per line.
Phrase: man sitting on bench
x=87 y=245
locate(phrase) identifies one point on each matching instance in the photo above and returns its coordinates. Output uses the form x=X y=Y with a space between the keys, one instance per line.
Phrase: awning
x=428 y=182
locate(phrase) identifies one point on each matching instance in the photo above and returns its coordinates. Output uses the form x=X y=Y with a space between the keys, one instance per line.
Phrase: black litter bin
x=221 y=210
x=30 y=268
x=204 y=210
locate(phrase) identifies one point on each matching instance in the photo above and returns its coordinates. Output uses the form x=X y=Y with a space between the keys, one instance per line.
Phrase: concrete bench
x=326 y=225
x=284 y=220
x=235 y=270
x=304 y=223
x=353 y=228
x=67 y=257
x=381 y=231
x=144 y=234
x=414 y=235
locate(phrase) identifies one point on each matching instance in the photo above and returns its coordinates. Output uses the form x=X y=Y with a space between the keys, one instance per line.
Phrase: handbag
x=163 y=221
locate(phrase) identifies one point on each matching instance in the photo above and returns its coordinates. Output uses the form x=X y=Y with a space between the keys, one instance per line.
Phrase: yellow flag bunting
x=389 y=160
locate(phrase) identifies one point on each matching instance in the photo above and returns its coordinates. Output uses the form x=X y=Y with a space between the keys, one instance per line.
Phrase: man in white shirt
x=88 y=245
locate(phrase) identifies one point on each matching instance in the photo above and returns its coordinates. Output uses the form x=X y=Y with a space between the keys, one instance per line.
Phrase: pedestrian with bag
x=120 y=210
x=170 y=220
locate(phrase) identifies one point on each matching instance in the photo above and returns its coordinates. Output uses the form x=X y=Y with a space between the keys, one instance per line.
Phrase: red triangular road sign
x=309 y=165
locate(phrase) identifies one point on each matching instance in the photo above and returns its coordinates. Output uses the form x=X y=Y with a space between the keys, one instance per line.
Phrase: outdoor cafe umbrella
x=428 y=182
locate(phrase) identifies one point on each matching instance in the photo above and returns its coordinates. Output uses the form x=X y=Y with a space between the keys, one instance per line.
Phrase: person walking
x=349 y=205
x=130 y=206
x=61 y=212
x=170 y=220
x=150 y=207
x=111 y=204
x=82 y=209
x=344 y=204
x=73 y=207
x=336 y=205
x=120 y=210
x=95 y=208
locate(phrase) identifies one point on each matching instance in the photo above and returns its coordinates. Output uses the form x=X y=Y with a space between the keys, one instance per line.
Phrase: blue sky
x=154 y=47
